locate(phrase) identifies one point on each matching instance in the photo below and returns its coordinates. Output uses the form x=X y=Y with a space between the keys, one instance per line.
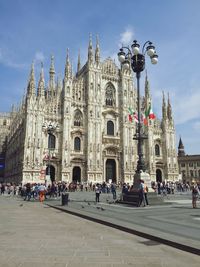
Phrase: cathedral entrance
x=52 y=172
x=111 y=170
x=76 y=176
x=158 y=175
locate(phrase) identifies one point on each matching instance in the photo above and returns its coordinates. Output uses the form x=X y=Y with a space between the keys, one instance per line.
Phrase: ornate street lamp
x=132 y=57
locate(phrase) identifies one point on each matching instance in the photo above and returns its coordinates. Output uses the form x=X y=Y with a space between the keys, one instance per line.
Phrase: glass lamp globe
x=136 y=50
x=121 y=56
x=150 y=50
x=154 y=59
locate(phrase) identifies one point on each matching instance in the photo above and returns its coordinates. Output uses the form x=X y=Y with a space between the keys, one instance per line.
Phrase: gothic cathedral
x=78 y=129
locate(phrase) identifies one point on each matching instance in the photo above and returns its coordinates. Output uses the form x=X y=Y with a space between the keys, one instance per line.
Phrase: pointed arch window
x=78 y=118
x=51 y=141
x=157 y=150
x=110 y=95
x=110 y=128
x=77 y=144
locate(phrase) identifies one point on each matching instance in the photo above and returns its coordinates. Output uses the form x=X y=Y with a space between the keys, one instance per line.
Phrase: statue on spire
x=52 y=74
x=164 y=110
x=79 y=62
x=31 y=83
x=147 y=87
x=67 y=66
x=41 y=83
x=169 y=109
x=90 y=50
x=97 y=51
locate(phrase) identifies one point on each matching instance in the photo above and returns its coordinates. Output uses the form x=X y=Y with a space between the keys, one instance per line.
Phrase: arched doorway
x=52 y=172
x=76 y=176
x=158 y=175
x=111 y=170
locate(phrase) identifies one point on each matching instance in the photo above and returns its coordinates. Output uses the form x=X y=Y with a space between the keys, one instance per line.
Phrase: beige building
x=189 y=165
x=79 y=127
x=4 y=130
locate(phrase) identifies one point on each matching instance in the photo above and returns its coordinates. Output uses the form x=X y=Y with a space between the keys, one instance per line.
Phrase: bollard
x=64 y=199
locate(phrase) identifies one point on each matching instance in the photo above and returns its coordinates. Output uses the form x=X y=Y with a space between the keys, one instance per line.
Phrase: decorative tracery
x=78 y=118
x=110 y=95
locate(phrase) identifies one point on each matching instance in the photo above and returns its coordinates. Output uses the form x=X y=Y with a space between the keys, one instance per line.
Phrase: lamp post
x=132 y=57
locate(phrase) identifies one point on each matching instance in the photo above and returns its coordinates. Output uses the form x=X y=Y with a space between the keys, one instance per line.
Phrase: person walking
x=97 y=192
x=195 y=195
x=141 y=194
x=28 y=192
x=145 y=194
x=113 y=190
x=42 y=191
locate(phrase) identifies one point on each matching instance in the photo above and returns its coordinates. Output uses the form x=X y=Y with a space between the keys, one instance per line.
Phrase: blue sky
x=36 y=29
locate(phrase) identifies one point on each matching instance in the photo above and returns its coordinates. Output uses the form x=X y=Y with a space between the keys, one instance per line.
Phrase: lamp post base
x=142 y=176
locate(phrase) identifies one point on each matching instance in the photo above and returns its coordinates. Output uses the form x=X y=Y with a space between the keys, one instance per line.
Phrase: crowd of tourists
x=55 y=189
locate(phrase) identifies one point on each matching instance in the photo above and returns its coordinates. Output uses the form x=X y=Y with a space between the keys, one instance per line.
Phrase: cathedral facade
x=78 y=130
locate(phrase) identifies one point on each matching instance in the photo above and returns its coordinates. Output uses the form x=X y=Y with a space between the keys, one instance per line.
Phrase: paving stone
x=34 y=235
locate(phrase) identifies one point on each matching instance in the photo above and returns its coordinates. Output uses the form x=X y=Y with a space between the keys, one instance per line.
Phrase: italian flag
x=152 y=116
x=148 y=114
x=132 y=115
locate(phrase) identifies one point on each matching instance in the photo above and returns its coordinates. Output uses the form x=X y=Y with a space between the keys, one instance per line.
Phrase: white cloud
x=186 y=107
x=126 y=37
x=196 y=126
x=6 y=60
x=39 y=56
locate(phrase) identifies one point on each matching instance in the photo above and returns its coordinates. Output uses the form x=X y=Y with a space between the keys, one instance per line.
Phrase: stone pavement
x=32 y=234
x=176 y=224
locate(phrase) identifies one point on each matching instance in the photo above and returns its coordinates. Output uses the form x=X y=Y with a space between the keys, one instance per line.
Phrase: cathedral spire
x=169 y=109
x=79 y=62
x=147 y=87
x=181 y=151
x=31 y=83
x=67 y=67
x=59 y=84
x=90 y=50
x=41 y=83
x=52 y=74
x=97 y=51
x=164 y=110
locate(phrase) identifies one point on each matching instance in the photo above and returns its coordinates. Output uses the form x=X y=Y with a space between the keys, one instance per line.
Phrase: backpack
x=194 y=191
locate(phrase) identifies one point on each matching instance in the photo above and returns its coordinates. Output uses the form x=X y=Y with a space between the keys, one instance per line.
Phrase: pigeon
x=21 y=205
x=98 y=208
x=82 y=207
x=102 y=208
x=89 y=203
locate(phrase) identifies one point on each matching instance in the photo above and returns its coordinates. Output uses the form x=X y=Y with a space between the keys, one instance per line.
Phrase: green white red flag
x=132 y=115
x=148 y=115
x=152 y=116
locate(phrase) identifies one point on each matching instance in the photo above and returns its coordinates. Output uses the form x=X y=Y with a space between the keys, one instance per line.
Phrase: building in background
x=4 y=130
x=91 y=137
x=189 y=165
